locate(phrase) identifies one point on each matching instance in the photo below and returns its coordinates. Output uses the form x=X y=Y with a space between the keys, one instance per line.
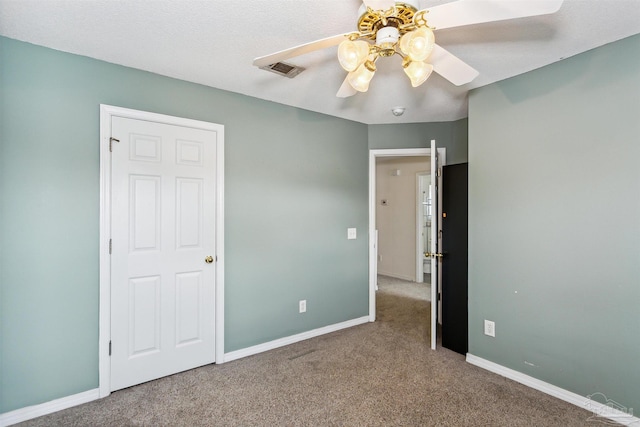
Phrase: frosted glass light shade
x=418 y=43
x=360 y=78
x=352 y=54
x=418 y=72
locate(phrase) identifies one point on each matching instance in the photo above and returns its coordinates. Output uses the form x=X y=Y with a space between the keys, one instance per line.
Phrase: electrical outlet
x=490 y=328
x=302 y=306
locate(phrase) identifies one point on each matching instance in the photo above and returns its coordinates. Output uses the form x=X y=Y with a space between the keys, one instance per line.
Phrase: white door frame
x=373 y=155
x=106 y=113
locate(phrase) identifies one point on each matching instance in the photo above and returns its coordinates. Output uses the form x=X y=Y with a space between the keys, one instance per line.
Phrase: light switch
x=351 y=233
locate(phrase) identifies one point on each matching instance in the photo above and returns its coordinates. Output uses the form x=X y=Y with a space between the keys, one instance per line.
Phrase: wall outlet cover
x=490 y=328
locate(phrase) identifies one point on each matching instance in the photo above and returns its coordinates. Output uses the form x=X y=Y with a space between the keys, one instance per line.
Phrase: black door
x=454 y=263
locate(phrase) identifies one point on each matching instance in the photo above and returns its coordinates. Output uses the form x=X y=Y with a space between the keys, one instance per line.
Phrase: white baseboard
x=30 y=412
x=609 y=411
x=260 y=348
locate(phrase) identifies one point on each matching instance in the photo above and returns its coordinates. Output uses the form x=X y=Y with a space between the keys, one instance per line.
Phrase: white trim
x=106 y=113
x=219 y=304
x=373 y=155
x=553 y=390
x=34 y=411
x=373 y=237
x=260 y=348
x=104 y=334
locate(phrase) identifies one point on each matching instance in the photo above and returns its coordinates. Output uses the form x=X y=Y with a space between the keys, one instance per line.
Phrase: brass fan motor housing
x=399 y=16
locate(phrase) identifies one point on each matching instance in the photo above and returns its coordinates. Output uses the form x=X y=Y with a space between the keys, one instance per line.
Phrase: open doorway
x=396 y=250
x=397 y=209
x=403 y=296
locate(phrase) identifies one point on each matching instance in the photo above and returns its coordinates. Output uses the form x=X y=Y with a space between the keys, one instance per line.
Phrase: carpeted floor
x=391 y=285
x=377 y=374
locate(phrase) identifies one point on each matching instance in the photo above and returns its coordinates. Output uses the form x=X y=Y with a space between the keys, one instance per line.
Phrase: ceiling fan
x=388 y=27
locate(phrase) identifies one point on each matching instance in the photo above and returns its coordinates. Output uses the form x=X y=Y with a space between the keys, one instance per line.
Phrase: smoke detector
x=398 y=111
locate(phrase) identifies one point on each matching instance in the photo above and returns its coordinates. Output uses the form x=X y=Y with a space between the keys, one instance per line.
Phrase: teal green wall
x=554 y=222
x=294 y=182
x=450 y=135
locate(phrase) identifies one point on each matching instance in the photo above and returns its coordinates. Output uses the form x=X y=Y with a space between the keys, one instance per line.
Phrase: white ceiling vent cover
x=284 y=69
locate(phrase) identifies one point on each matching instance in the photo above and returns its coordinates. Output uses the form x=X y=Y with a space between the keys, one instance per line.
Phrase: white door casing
x=161 y=311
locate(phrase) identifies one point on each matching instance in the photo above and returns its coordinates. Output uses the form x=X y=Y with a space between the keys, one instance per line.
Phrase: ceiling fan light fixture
x=417 y=71
x=360 y=78
x=351 y=54
x=418 y=43
x=393 y=27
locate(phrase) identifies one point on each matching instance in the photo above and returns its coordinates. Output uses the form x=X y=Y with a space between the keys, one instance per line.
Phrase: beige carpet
x=394 y=286
x=377 y=374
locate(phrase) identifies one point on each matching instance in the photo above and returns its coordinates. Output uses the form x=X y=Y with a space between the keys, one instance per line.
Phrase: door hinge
x=110 y=246
x=439 y=299
x=109 y=348
x=111 y=141
x=439 y=171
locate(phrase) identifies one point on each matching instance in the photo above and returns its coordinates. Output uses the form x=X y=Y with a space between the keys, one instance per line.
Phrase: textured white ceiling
x=214 y=42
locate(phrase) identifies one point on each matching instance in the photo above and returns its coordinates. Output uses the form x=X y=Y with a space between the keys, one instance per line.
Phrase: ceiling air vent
x=284 y=69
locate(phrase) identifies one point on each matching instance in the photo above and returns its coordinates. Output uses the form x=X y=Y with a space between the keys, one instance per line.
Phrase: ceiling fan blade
x=468 y=12
x=379 y=4
x=299 y=50
x=451 y=67
x=346 y=90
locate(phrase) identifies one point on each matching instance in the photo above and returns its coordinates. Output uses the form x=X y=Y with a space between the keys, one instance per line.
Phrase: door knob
x=429 y=255
x=208 y=259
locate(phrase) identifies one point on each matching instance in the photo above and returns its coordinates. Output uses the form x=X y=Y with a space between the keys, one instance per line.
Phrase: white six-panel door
x=163 y=231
